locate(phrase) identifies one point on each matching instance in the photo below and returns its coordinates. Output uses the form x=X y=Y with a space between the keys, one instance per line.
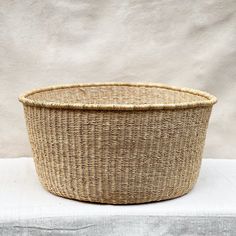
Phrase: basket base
x=115 y=202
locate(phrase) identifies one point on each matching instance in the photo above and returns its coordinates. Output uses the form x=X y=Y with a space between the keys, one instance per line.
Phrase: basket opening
x=117 y=95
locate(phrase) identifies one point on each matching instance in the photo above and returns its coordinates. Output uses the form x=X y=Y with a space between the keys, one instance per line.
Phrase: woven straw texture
x=117 y=143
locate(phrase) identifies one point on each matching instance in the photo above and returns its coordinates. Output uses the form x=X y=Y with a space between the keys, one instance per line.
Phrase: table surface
x=22 y=198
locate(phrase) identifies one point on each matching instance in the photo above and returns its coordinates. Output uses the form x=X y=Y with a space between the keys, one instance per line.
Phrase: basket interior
x=116 y=95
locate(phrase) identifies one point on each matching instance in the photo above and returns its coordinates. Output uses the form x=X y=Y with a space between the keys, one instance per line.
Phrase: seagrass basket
x=117 y=143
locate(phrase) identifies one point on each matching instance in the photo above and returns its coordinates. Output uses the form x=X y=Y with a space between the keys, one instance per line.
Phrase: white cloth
x=26 y=208
x=182 y=43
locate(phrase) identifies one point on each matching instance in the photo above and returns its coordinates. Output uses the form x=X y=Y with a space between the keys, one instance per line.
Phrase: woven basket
x=117 y=143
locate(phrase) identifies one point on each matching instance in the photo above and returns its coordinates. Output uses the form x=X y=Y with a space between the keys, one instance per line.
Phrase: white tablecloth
x=26 y=208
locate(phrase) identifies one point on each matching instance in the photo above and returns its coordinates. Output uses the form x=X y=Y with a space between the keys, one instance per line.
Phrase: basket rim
x=210 y=99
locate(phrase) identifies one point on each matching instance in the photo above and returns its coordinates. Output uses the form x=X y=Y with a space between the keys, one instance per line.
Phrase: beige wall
x=183 y=43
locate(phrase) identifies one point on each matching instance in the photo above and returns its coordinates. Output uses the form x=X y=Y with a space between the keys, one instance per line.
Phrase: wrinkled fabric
x=123 y=226
x=182 y=43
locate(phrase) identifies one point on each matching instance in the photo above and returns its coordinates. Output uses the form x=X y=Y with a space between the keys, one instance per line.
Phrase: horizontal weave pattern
x=117 y=156
x=116 y=95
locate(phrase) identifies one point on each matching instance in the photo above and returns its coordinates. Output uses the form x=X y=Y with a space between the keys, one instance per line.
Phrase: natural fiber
x=117 y=143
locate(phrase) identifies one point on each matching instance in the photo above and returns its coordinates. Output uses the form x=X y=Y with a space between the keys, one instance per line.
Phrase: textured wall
x=183 y=43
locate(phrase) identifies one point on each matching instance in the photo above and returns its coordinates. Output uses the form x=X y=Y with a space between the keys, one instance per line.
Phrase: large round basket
x=117 y=143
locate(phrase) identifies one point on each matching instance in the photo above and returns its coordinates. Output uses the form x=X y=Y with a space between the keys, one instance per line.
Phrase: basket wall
x=117 y=156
